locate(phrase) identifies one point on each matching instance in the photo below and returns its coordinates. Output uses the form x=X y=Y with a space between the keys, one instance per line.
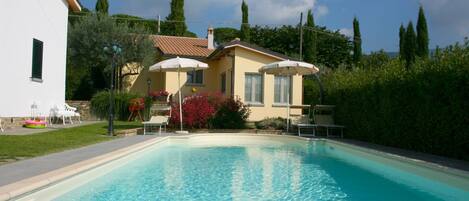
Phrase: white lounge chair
x=155 y=121
x=323 y=117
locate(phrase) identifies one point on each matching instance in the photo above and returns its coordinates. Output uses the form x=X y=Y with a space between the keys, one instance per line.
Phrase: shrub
x=424 y=108
x=100 y=104
x=232 y=114
x=197 y=111
x=272 y=123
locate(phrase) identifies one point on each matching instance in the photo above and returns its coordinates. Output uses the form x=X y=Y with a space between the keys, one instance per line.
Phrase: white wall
x=20 y=22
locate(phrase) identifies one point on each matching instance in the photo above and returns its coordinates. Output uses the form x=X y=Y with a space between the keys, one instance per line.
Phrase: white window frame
x=253 y=89
x=283 y=95
x=193 y=81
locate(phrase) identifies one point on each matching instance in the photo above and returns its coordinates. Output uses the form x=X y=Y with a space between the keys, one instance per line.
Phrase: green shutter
x=37 y=59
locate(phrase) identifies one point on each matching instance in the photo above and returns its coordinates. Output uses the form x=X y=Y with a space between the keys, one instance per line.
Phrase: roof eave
x=74 y=5
x=225 y=47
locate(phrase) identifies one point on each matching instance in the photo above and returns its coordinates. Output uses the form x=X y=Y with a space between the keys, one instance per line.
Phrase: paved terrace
x=50 y=127
x=13 y=172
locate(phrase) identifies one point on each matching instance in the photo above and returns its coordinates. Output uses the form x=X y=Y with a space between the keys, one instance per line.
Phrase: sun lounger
x=323 y=116
x=155 y=121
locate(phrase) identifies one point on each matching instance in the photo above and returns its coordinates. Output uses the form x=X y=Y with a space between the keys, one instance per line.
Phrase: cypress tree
x=102 y=6
x=410 y=45
x=402 y=33
x=422 y=35
x=245 y=35
x=357 y=41
x=310 y=39
x=177 y=21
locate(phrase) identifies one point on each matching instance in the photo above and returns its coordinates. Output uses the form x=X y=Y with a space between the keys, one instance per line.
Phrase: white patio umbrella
x=178 y=65
x=289 y=68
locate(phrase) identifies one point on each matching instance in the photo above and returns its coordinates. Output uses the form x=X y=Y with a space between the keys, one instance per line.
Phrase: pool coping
x=403 y=157
x=16 y=189
x=26 y=186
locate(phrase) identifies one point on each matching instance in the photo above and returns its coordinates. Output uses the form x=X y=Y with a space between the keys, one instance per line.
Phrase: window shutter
x=37 y=59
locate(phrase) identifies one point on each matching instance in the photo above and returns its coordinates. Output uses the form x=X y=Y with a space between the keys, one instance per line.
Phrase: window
x=37 y=60
x=195 y=77
x=282 y=89
x=223 y=82
x=253 y=88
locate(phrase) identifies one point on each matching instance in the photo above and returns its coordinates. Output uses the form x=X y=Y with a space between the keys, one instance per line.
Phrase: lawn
x=19 y=147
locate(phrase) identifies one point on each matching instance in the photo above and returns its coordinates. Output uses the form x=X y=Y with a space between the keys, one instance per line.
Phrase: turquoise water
x=291 y=171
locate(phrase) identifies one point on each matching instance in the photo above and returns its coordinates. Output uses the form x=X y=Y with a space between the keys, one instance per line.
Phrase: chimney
x=210 y=43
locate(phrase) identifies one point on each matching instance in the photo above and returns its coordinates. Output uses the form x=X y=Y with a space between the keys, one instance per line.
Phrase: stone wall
x=83 y=107
x=13 y=122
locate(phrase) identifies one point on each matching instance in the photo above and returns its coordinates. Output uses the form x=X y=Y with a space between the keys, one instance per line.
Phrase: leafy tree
x=333 y=48
x=410 y=45
x=357 y=41
x=88 y=66
x=282 y=39
x=102 y=6
x=225 y=34
x=422 y=35
x=176 y=24
x=310 y=39
x=402 y=33
x=376 y=60
x=245 y=33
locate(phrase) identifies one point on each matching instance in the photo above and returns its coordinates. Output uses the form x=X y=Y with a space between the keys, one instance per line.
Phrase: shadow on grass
x=124 y=126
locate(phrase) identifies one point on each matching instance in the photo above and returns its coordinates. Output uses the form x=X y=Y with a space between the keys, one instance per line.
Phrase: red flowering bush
x=232 y=114
x=196 y=111
x=215 y=99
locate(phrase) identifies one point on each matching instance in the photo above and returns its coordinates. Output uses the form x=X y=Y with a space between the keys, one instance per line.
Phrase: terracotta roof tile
x=182 y=46
x=235 y=42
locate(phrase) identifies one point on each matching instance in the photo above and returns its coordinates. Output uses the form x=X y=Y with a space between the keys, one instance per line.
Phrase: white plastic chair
x=74 y=110
x=61 y=112
x=1 y=126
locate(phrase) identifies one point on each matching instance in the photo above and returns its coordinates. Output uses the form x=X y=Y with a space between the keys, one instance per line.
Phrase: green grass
x=19 y=147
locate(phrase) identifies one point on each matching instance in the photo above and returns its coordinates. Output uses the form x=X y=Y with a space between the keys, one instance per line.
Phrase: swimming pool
x=238 y=167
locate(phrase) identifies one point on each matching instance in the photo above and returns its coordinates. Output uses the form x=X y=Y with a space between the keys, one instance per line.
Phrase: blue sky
x=448 y=20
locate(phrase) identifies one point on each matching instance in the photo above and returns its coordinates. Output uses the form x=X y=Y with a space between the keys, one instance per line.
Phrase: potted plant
x=159 y=96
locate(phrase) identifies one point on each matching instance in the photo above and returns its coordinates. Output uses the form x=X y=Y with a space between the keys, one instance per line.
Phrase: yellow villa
x=233 y=71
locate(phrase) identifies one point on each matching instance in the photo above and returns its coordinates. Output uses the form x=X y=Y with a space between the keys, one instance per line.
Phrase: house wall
x=245 y=62
x=23 y=20
x=250 y=62
x=138 y=83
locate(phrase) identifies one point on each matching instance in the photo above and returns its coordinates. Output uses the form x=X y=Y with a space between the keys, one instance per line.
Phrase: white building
x=33 y=47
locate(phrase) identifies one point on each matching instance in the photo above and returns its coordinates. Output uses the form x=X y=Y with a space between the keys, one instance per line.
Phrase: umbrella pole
x=288 y=111
x=180 y=97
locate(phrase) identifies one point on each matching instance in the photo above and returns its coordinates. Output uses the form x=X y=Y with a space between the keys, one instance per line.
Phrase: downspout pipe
x=232 y=56
x=321 y=88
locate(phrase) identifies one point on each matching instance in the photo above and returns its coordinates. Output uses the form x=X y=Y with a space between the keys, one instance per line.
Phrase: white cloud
x=450 y=16
x=346 y=31
x=260 y=11
x=322 y=10
x=281 y=11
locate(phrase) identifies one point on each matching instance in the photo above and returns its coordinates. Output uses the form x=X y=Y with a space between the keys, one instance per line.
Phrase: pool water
x=258 y=171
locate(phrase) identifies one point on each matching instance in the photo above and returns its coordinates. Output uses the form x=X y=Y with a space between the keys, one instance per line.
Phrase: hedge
x=100 y=105
x=424 y=108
